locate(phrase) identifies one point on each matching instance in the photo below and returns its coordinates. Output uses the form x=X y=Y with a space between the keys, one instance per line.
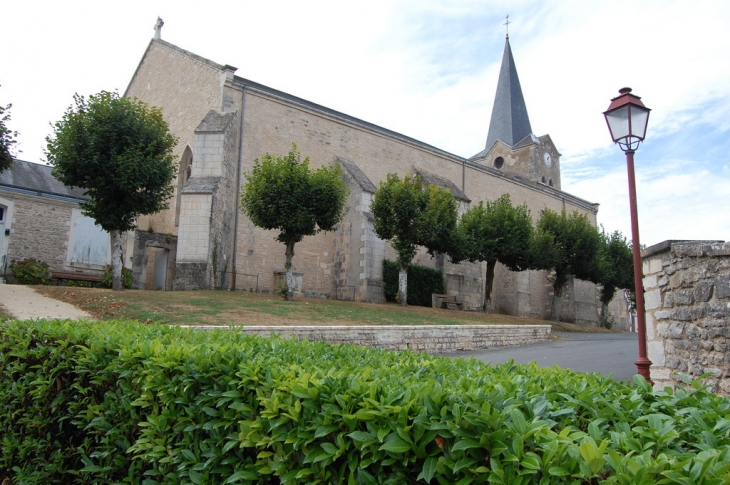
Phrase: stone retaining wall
x=687 y=297
x=432 y=338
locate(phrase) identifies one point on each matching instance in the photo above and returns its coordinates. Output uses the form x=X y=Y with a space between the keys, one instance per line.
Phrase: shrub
x=110 y=402
x=106 y=278
x=422 y=282
x=30 y=271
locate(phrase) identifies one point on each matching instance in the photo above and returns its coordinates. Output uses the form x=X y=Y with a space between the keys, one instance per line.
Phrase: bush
x=107 y=277
x=110 y=402
x=30 y=271
x=422 y=281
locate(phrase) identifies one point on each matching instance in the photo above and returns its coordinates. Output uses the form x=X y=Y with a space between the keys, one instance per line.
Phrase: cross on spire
x=158 y=28
x=506 y=24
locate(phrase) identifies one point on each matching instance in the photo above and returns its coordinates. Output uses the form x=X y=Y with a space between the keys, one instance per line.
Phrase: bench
x=444 y=301
x=61 y=276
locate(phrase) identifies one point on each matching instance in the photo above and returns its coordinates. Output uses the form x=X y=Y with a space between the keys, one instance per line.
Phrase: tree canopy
x=569 y=245
x=496 y=231
x=282 y=193
x=410 y=214
x=616 y=262
x=7 y=139
x=119 y=151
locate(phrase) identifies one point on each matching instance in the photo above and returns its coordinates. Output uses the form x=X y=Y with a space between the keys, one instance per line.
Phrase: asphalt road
x=606 y=353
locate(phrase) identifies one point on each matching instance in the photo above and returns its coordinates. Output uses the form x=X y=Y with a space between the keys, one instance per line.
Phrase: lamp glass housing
x=627 y=119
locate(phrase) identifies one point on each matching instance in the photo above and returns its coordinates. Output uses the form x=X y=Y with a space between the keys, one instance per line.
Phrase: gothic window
x=498 y=162
x=186 y=171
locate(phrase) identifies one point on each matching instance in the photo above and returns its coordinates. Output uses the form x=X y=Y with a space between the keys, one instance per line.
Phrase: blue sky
x=429 y=70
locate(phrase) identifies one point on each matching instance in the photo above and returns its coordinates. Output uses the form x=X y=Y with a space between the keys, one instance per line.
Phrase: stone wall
x=687 y=299
x=186 y=87
x=435 y=338
x=39 y=228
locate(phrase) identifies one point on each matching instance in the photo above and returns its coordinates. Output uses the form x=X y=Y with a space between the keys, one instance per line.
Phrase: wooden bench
x=61 y=276
x=444 y=301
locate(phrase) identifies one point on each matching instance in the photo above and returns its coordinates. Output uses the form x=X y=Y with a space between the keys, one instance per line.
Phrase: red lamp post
x=627 y=118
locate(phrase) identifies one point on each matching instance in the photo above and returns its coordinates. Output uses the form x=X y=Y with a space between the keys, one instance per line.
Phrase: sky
x=429 y=69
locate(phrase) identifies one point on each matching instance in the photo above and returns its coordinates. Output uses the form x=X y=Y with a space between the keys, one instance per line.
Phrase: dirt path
x=23 y=302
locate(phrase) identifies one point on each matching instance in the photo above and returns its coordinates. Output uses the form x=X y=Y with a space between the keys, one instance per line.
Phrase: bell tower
x=511 y=145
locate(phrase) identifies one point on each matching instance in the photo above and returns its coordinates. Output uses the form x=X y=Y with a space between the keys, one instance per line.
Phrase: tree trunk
x=557 y=303
x=289 y=296
x=603 y=319
x=403 y=285
x=117 y=259
x=488 y=285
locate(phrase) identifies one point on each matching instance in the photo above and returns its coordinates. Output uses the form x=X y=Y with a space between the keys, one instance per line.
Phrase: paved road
x=584 y=352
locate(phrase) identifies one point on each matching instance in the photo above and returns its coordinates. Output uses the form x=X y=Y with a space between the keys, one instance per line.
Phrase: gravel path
x=23 y=302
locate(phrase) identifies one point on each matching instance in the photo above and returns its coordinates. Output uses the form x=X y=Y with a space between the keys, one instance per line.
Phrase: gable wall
x=186 y=89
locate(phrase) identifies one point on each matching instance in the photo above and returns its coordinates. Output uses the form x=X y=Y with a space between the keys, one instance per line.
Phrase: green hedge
x=422 y=281
x=121 y=402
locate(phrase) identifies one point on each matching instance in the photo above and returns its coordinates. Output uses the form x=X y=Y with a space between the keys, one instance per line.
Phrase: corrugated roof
x=34 y=177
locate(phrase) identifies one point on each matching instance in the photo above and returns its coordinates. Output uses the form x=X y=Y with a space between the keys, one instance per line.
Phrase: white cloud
x=673 y=203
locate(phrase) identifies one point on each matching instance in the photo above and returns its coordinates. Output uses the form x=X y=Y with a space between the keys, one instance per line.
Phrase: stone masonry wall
x=185 y=87
x=687 y=299
x=41 y=229
x=271 y=125
x=436 y=338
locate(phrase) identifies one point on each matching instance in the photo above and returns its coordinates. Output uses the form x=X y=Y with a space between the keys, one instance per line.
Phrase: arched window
x=186 y=171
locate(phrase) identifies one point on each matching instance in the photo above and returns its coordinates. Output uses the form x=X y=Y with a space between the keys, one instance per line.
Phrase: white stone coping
x=432 y=338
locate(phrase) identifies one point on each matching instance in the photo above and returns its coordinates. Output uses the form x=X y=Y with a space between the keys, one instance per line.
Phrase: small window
x=550 y=182
x=544 y=180
x=498 y=162
x=189 y=170
x=2 y=214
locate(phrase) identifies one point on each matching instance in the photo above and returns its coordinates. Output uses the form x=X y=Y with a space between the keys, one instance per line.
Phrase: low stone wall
x=432 y=338
x=687 y=299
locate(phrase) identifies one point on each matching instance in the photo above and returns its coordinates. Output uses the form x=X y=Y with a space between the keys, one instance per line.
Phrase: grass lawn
x=241 y=308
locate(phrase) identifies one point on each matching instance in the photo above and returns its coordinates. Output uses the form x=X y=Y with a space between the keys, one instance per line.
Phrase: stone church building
x=224 y=122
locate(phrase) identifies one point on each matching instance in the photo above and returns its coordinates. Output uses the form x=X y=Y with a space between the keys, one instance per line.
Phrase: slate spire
x=510 y=122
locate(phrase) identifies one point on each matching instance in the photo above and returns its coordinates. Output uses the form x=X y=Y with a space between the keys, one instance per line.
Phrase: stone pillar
x=687 y=303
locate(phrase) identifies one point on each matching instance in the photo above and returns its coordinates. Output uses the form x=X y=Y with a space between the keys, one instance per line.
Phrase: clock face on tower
x=548 y=159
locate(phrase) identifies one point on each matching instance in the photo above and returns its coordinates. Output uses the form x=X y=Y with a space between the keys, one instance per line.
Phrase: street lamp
x=627 y=118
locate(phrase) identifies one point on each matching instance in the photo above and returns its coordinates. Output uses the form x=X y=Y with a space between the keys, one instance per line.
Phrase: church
x=225 y=122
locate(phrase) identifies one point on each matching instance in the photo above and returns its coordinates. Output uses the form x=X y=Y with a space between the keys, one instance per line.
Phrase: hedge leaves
x=121 y=402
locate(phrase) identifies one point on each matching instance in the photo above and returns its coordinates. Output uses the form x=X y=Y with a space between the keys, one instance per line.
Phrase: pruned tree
x=569 y=246
x=497 y=231
x=119 y=151
x=282 y=193
x=7 y=139
x=410 y=214
x=616 y=262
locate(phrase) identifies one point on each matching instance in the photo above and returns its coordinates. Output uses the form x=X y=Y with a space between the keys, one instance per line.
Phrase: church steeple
x=510 y=122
